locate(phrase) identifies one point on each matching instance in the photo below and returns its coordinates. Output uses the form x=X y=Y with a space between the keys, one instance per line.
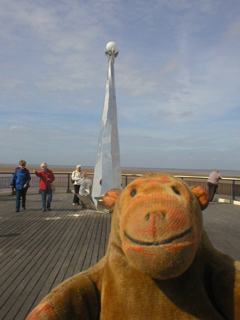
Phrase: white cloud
x=16 y=127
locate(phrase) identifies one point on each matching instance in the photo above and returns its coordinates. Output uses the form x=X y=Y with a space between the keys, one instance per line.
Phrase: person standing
x=76 y=175
x=47 y=177
x=212 y=183
x=85 y=192
x=20 y=181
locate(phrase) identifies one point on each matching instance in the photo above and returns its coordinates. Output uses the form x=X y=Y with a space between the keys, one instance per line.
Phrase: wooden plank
x=107 y=234
x=31 y=281
x=49 y=280
x=87 y=248
x=57 y=274
x=92 y=240
x=36 y=263
x=31 y=249
x=222 y=223
x=8 y=243
x=78 y=244
x=24 y=242
x=17 y=287
x=102 y=248
x=47 y=252
x=97 y=241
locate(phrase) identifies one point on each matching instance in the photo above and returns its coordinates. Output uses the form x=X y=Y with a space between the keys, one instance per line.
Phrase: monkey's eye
x=175 y=190
x=133 y=192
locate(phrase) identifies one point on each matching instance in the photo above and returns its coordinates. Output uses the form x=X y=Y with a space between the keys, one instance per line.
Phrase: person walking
x=76 y=176
x=20 y=181
x=85 y=192
x=47 y=177
x=212 y=183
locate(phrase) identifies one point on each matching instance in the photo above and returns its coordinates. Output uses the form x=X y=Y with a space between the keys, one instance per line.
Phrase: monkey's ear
x=202 y=196
x=110 y=198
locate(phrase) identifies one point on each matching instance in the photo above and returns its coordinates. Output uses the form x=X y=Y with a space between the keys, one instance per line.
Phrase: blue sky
x=177 y=79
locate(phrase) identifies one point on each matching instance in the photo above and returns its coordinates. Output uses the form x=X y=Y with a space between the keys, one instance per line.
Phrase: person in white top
x=212 y=183
x=85 y=192
x=76 y=176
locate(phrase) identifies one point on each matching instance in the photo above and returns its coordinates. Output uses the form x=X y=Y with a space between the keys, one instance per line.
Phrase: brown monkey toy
x=160 y=263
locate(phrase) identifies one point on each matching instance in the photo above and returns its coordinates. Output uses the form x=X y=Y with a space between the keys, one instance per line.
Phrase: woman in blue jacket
x=22 y=178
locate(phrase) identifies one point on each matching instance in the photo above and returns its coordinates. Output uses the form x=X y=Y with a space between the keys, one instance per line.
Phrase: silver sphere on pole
x=111 y=49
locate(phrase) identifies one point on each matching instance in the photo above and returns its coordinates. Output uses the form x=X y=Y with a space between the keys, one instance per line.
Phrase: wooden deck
x=39 y=250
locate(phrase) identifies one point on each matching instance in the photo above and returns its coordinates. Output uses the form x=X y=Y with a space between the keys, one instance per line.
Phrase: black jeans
x=76 y=191
x=21 y=193
x=212 y=188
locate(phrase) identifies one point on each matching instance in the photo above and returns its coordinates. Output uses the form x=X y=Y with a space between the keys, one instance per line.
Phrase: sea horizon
x=223 y=172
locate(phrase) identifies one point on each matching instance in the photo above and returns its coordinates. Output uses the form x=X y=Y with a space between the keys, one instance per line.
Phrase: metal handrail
x=128 y=177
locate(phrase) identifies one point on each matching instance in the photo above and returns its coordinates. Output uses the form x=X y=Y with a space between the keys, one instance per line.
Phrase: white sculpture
x=107 y=172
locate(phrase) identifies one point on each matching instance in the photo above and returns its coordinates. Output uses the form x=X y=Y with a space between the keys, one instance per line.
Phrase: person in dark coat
x=20 y=181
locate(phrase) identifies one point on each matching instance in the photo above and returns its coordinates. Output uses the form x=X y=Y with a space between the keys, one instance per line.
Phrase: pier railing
x=228 y=188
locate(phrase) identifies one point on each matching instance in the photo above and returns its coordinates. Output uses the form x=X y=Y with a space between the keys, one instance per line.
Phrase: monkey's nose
x=156 y=215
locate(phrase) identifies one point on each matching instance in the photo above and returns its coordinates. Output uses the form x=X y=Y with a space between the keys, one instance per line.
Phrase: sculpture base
x=100 y=205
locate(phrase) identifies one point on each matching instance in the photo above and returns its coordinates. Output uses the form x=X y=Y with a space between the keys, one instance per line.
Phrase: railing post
x=233 y=190
x=126 y=180
x=68 y=184
x=39 y=190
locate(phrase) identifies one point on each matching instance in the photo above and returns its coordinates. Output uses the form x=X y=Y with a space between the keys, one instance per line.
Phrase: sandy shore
x=69 y=169
x=56 y=169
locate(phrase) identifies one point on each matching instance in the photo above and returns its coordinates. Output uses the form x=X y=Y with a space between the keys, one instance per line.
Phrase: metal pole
x=13 y=190
x=233 y=190
x=68 y=184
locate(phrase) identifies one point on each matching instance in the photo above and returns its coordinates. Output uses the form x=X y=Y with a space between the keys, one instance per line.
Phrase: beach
x=70 y=169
